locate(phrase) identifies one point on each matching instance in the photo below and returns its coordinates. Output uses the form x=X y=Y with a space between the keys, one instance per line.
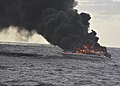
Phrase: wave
x=13 y=54
x=28 y=50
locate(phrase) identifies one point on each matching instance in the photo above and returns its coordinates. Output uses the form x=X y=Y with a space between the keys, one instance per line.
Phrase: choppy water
x=25 y=65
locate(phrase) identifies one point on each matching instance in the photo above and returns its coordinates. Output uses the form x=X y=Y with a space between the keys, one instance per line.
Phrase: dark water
x=30 y=64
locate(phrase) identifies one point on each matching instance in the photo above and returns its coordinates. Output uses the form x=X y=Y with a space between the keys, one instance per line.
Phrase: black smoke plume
x=56 y=20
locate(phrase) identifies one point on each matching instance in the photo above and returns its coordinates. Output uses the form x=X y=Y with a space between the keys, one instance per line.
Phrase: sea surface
x=33 y=65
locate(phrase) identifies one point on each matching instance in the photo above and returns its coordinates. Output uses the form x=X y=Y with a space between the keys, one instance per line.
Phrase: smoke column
x=55 y=20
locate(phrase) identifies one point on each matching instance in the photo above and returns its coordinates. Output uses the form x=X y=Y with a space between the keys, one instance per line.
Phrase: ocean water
x=34 y=65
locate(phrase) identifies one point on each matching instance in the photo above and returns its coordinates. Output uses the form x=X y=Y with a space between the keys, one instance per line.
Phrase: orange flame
x=87 y=49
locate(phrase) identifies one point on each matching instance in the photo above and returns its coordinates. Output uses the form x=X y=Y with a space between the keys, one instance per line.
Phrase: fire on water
x=89 y=50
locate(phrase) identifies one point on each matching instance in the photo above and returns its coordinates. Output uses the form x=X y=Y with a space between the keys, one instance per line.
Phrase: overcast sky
x=105 y=19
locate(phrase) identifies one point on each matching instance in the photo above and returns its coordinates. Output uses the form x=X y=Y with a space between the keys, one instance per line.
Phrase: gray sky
x=105 y=19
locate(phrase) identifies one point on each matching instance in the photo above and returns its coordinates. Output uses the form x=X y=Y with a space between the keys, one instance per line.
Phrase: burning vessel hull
x=84 y=56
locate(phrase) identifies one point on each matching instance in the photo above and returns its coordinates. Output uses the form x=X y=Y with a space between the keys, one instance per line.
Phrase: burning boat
x=57 y=21
x=84 y=56
x=87 y=52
